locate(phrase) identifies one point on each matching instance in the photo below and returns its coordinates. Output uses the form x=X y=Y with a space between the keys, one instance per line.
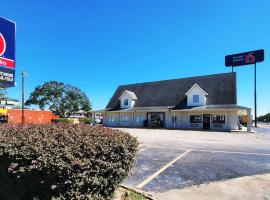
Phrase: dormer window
x=126 y=102
x=127 y=99
x=196 y=98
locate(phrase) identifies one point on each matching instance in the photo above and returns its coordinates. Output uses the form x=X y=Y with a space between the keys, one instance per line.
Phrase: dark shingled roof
x=221 y=89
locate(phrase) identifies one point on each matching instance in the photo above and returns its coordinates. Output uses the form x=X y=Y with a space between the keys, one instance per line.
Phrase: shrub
x=85 y=120
x=61 y=120
x=63 y=161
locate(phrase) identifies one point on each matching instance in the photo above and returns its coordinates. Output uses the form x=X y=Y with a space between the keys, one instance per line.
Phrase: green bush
x=61 y=120
x=63 y=161
x=85 y=120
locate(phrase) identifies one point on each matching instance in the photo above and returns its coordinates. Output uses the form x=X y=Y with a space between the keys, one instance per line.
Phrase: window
x=174 y=119
x=124 y=118
x=195 y=119
x=126 y=102
x=110 y=118
x=195 y=98
x=218 y=119
x=137 y=118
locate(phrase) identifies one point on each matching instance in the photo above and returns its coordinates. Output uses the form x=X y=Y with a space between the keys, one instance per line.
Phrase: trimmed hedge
x=63 y=161
x=85 y=120
x=61 y=120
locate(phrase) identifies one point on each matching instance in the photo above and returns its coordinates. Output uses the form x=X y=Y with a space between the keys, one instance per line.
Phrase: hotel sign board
x=7 y=52
x=245 y=58
x=6 y=77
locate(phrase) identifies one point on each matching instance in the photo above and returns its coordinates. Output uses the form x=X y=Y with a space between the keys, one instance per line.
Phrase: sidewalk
x=249 y=188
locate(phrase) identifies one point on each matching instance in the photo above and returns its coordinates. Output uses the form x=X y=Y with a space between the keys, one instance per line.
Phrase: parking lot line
x=150 y=178
x=213 y=151
x=231 y=152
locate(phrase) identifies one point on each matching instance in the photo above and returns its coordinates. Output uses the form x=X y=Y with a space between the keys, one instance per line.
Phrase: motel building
x=203 y=102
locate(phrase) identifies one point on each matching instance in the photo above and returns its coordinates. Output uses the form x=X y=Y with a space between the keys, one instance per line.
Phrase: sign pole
x=255 y=94
x=247 y=58
x=22 y=96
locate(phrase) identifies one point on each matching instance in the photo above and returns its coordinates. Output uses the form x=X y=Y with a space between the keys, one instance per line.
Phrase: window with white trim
x=124 y=118
x=218 y=119
x=174 y=119
x=110 y=118
x=195 y=119
x=137 y=118
x=125 y=102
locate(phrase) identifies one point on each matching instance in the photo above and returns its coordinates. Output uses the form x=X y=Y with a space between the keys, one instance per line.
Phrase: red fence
x=30 y=116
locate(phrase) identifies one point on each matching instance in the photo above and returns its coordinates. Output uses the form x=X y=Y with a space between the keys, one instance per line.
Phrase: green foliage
x=62 y=99
x=133 y=196
x=85 y=120
x=63 y=161
x=3 y=93
x=62 y=120
x=264 y=118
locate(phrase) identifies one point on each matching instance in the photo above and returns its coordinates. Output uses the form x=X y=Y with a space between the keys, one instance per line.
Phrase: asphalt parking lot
x=173 y=159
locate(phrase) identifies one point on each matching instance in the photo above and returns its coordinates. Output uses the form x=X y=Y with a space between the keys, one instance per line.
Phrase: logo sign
x=7 y=53
x=6 y=77
x=7 y=43
x=245 y=58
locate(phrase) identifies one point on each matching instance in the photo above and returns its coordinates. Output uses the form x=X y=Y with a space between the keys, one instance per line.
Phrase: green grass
x=136 y=196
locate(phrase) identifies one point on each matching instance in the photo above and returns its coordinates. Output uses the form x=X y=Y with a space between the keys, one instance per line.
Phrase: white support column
x=249 y=120
x=174 y=119
x=132 y=119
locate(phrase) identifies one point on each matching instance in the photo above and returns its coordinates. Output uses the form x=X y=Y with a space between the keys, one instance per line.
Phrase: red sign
x=7 y=62
x=7 y=53
x=7 y=43
x=2 y=45
x=250 y=58
x=4 y=61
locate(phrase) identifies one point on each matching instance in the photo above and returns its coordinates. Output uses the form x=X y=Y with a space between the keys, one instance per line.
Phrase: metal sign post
x=22 y=96
x=247 y=58
x=255 y=94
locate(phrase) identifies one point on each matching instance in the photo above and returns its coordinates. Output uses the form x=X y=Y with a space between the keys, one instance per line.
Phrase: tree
x=62 y=99
x=3 y=93
x=264 y=118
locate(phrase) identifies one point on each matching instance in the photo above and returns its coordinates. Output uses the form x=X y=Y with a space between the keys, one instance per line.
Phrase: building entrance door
x=206 y=121
x=155 y=120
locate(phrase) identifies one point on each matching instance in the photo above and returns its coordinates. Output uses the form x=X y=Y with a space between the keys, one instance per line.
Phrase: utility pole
x=22 y=73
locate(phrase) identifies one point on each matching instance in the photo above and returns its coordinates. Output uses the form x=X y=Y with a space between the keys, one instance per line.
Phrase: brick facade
x=31 y=116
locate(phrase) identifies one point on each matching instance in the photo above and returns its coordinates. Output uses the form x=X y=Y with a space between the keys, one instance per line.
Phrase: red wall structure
x=30 y=116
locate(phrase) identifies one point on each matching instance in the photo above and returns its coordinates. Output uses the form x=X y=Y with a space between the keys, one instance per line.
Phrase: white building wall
x=114 y=119
x=129 y=117
x=183 y=120
x=136 y=119
x=139 y=118
x=111 y=119
x=233 y=120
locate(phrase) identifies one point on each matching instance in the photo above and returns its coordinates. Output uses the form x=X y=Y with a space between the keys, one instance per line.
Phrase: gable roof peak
x=130 y=93
x=196 y=85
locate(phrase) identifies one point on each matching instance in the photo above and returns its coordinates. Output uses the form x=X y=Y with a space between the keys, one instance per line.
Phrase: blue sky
x=98 y=45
